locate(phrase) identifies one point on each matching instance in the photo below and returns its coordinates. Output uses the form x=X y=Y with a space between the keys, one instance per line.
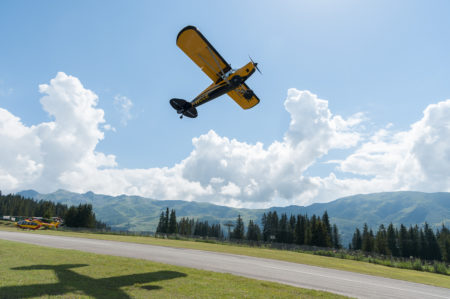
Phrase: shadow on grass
x=70 y=281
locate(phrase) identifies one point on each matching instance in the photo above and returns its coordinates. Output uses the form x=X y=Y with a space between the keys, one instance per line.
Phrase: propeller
x=255 y=64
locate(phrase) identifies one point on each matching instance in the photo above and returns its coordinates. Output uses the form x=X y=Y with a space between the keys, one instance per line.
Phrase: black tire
x=236 y=80
x=248 y=94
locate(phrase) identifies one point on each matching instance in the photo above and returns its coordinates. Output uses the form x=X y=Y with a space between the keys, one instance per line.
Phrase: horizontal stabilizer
x=184 y=107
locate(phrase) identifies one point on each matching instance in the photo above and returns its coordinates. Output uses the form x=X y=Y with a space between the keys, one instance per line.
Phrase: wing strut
x=217 y=62
x=206 y=62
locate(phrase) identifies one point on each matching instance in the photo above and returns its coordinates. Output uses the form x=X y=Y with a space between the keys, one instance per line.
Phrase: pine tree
x=283 y=229
x=300 y=230
x=322 y=239
x=274 y=225
x=253 y=231
x=381 y=245
x=391 y=235
x=308 y=231
x=238 y=232
x=81 y=216
x=265 y=225
x=404 y=242
x=172 y=222
x=335 y=237
x=160 y=228
x=70 y=217
x=270 y=226
x=423 y=245
x=367 y=239
x=446 y=249
x=314 y=225
x=291 y=230
x=326 y=222
x=413 y=233
x=434 y=252
x=443 y=238
x=357 y=240
x=166 y=221
x=182 y=227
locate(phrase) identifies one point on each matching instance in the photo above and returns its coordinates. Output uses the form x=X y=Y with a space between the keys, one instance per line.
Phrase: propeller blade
x=255 y=64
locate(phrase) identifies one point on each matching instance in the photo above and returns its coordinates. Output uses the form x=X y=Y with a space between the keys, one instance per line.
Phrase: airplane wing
x=197 y=47
x=238 y=96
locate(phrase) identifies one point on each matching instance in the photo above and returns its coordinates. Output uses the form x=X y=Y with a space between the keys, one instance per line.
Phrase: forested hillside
x=142 y=214
x=74 y=216
x=17 y=205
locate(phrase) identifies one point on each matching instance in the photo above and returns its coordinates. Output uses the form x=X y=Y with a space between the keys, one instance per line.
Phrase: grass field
x=29 y=271
x=290 y=256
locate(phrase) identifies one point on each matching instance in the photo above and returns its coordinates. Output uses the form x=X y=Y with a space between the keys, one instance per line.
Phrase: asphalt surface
x=335 y=281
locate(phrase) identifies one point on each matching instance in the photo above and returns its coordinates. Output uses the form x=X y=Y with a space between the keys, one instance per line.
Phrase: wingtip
x=188 y=27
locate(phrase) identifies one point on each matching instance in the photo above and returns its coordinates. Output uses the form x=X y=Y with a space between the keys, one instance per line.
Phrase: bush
x=439 y=268
x=417 y=265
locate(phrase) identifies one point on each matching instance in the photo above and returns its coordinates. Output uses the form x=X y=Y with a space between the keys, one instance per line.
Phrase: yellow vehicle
x=28 y=224
x=47 y=223
x=37 y=223
x=225 y=79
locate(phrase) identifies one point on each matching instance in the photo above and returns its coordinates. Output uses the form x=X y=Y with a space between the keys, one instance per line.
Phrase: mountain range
x=137 y=213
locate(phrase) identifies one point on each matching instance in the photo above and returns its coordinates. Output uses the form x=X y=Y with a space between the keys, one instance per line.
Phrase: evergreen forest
x=74 y=216
x=412 y=242
x=299 y=229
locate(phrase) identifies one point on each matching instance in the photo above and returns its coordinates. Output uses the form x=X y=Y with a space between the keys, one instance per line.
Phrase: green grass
x=34 y=271
x=6 y=223
x=290 y=256
x=396 y=262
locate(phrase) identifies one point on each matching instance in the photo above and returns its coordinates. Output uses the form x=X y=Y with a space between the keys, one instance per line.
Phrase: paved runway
x=335 y=281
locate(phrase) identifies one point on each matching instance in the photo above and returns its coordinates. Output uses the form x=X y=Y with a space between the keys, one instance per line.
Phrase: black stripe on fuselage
x=217 y=90
x=211 y=94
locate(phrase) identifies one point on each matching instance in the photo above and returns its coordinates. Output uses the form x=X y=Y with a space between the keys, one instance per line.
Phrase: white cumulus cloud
x=416 y=159
x=62 y=154
x=123 y=105
x=39 y=156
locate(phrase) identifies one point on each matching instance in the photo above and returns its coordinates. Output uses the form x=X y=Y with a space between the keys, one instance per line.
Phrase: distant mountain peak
x=29 y=193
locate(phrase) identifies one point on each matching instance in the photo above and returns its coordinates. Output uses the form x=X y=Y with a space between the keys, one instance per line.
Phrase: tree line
x=17 y=205
x=404 y=242
x=187 y=226
x=299 y=229
x=81 y=216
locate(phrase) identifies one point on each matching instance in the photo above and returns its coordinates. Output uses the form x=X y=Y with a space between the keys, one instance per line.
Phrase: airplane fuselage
x=223 y=86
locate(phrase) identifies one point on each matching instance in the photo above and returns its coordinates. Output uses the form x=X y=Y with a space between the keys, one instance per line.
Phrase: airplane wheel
x=236 y=80
x=248 y=94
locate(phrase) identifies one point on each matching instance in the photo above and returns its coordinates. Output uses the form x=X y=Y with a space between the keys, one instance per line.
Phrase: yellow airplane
x=225 y=79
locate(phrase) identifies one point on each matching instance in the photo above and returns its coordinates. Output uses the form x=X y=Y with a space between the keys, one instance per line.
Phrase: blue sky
x=378 y=63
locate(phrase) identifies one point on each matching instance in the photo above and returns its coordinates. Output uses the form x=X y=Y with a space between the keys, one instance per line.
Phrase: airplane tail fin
x=184 y=107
